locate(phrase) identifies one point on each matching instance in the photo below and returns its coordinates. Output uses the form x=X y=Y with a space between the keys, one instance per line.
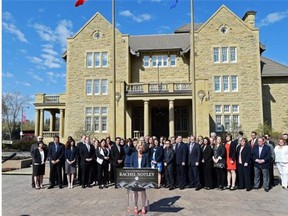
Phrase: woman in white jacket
x=281 y=160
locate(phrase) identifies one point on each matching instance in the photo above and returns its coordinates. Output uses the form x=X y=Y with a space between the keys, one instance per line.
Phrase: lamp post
x=21 y=123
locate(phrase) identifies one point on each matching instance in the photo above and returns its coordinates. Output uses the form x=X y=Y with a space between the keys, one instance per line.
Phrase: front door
x=160 y=122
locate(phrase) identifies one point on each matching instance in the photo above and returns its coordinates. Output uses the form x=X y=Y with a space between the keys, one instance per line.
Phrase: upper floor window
x=172 y=60
x=88 y=87
x=234 y=83
x=97 y=87
x=224 y=54
x=100 y=59
x=146 y=61
x=233 y=54
x=227 y=54
x=217 y=83
x=98 y=121
x=161 y=61
x=216 y=54
x=226 y=83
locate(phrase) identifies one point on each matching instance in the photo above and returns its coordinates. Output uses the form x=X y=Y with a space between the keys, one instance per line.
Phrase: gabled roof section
x=270 y=68
x=223 y=7
x=187 y=27
x=159 y=42
x=90 y=20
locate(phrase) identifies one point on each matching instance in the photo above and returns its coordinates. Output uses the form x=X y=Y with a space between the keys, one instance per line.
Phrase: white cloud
x=273 y=18
x=13 y=29
x=51 y=61
x=156 y=0
x=7 y=16
x=8 y=75
x=45 y=32
x=139 y=18
x=23 y=83
x=41 y=10
x=35 y=59
x=49 y=49
x=37 y=78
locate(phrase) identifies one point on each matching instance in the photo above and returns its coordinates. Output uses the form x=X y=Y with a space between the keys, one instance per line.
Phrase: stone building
x=160 y=88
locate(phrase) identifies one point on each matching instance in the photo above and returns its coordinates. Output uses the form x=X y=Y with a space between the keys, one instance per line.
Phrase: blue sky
x=34 y=33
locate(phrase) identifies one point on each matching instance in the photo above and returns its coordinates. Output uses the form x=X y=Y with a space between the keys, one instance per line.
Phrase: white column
x=41 y=127
x=36 y=122
x=146 y=117
x=61 y=123
x=171 y=118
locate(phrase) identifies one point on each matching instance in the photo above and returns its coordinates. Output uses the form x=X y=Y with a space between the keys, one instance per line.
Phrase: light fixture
x=117 y=96
x=202 y=95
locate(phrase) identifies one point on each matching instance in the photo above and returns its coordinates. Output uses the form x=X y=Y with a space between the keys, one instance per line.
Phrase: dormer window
x=223 y=29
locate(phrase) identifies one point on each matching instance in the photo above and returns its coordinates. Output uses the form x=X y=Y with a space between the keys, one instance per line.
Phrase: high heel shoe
x=143 y=210
x=136 y=210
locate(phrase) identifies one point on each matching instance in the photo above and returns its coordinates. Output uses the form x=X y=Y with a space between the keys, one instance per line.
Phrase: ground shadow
x=165 y=205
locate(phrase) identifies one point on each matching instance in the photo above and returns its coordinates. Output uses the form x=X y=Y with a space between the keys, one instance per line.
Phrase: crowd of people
x=201 y=163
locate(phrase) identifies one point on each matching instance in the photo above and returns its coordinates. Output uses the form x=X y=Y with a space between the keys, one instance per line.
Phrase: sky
x=34 y=33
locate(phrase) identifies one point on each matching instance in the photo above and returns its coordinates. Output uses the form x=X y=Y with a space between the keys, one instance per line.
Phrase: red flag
x=79 y=2
x=23 y=120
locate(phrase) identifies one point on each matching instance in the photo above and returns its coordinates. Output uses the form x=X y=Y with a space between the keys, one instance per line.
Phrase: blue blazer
x=128 y=155
x=181 y=153
x=265 y=154
x=71 y=154
x=195 y=155
x=159 y=154
x=53 y=155
x=144 y=162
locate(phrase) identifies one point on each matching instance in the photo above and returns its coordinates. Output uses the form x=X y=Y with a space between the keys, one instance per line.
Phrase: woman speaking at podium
x=140 y=160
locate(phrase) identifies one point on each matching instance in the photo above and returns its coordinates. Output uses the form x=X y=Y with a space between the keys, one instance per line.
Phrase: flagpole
x=192 y=68
x=114 y=73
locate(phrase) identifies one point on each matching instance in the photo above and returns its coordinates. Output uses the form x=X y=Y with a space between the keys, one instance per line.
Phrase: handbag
x=219 y=165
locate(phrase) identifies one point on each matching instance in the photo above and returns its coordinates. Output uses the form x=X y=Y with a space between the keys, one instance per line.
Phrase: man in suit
x=194 y=157
x=271 y=144
x=169 y=164
x=252 y=142
x=87 y=154
x=33 y=147
x=181 y=153
x=55 y=155
x=261 y=159
x=79 y=146
x=117 y=157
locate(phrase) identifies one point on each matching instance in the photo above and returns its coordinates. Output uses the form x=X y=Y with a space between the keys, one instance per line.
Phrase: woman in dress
x=71 y=156
x=140 y=160
x=157 y=155
x=96 y=144
x=103 y=157
x=207 y=163
x=281 y=159
x=40 y=155
x=230 y=162
x=219 y=162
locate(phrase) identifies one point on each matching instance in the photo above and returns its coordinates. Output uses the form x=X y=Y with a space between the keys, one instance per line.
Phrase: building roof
x=270 y=68
x=159 y=42
x=186 y=28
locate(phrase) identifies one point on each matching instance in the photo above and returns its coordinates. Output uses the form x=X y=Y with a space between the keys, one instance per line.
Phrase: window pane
x=226 y=83
x=234 y=83
x=224 y=54
x=218 y=122
x=104 y=86
x=154 y=61
x=88 y=111
x=165 y=61
x=104 y=110
x=235 y=121
x=226 y=108
x=89 y=62
x=96 y=110
x=104 y=59
x=233 y=55
x=88 y=87
x=216 y=55
x=218 y=108
x=217 y=85
x=172 y=60
x=97 y=87
x=97 y=59
x=88 y=123
x=159 y=61
x=227 y=122
x=235 y=108
x=96 y=124
x=146 y=61
x=104 y=123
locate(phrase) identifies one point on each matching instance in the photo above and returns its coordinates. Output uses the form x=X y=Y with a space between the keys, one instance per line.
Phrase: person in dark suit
x=169 y=165
x=181 y=154
x=87 y=153
x=261 y=158
x=243 y=161
x=103 y=160
x=71 y=154
x=194 y=158
x=117 y=156
x=129 y=149
x=271 y=144
x=79 y=174
x=156 y=159
x=55 y=155
x=39 y=159
x=219 y=162
x=252 y=142
x=33 y=147
x=207 y=163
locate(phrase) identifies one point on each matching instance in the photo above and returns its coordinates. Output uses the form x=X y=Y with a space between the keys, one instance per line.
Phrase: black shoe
x=171 y=188
x=207 y=188
x=33 y=185
x=266 y=189
x=198 y=188
x=83 y=186
x=182 y=188
x=89 y=186
x=106 y=186
x=51 y=186
x=100 y=186
x=256 y=188
x=248 y=189
x=60 y=186
x=221 y=188
x=232 y=188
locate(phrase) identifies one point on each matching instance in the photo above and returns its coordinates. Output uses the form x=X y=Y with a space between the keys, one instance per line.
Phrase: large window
x=100 y=59
x=88 y=87
x=227 y=118
x=224 y=54
x=233 y=54
x=226 y=83
x=146 y=61
x=96 y=120
x=228 y=54
x=172 y=60
x=216 y=55
x=97 y=87
x=160 y=61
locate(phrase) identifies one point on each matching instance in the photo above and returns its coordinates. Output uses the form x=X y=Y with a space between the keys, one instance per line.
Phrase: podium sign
x=136 y=178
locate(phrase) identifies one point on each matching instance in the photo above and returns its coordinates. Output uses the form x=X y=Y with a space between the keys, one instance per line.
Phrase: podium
x=136 y=182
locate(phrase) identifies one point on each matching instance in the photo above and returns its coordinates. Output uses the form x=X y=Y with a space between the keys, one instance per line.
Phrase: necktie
x=88 y=147
x=56 y=147
x=191 y=147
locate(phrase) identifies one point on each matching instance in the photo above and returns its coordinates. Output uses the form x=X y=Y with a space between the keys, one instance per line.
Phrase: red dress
x=230 y=166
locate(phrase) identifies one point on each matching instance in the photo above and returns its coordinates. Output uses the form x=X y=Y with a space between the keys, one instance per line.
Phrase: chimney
x=249 y=18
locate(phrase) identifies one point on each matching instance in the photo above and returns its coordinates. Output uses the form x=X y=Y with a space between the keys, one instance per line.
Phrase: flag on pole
x=79 y=2
x=23 y=120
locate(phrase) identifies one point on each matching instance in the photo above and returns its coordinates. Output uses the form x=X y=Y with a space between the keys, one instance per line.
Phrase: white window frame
x=146 y=60
x=233 y=106
x=89 y=87
x=216 y=53
x=158 y=60
x=94 y=86
x=102 y=59
x=216 y=109
x=234 y=90
x=226 y=85
x=174 y=57
x=220 y=84
x=238 y=119
x=218 y=126
x=102 y=86
x=229 y=122
x=224 y=55
x=98 y=55
x=225 y=106
x=235 y=54
x=89 y=58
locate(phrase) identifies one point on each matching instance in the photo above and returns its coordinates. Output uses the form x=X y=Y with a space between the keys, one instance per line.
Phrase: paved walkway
x=18 y=198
